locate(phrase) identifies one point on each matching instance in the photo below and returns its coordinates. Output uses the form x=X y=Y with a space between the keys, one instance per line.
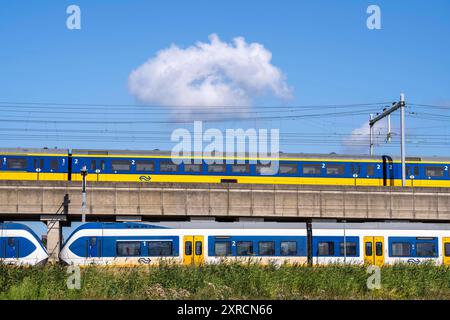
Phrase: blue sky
x=324 y=48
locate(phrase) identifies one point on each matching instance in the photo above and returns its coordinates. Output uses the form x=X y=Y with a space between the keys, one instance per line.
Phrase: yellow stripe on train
x=177 y=178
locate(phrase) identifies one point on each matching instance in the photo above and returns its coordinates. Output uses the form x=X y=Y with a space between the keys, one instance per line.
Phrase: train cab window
x=168 y=166
x=288 y=248
x=350 y=249
x=188 y=248
x=121 y=165
x=355 y=169
x=54 y=164
x=412 y=171
x=217 y=168
x=38 y=163
x=370 y=170
x=288 y=168
x=145 y=165
x=159 y=248
x=198 y=248
x=401 y=249
x=128 y=248
x=325 y=248
x=335 y=169
x=312 y=168
x=426 y=249
x=266 y=248
x=240 y=168
x=192 y=168
x=244 y=248
x=368 y=248
x=378 y=249
x=11 y=242
x=434 y=171
x=222 y=248
x=447 y=249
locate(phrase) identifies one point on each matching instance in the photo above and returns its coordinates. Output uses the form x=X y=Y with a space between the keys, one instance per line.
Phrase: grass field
x=232 y=281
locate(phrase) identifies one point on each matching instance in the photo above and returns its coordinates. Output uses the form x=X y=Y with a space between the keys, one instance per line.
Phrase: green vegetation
x=231 y=281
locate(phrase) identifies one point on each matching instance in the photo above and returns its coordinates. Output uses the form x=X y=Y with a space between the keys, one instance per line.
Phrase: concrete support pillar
x=54 y=235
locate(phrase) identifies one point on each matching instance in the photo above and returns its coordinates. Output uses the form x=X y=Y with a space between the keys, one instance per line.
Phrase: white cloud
x=358 y=141
x=209 y=74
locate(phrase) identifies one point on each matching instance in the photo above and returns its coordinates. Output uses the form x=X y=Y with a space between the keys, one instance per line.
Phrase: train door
x=96 y=167
x=374 y=250
x=446 y=250
x=38 y=166
x=193 y=250
x=93 y=247
x=388 y=171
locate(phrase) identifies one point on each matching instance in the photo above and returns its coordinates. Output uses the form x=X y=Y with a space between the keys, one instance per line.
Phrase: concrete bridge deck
x=43 y=200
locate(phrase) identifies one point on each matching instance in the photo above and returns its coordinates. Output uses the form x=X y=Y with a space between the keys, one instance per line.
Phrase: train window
x=93 y=165
x=350 y=248
x=434 y=171
x=288 y=168
x=92 y=241
x=266 y=248
x=11 y=241
x=288 y=248
x=355 y=169
x=145 y=165
x=447 y=249
x=193 y=168
x=268 y=169
x=216 y=168
x=120 y=165
x=244 y=248
x=401 y=249
x=240 y=168
x=198 y=248
x=312 y=168
x=325 y=248
x=412 y=171
x=54 y=164
x=426 y=249
x=168 y=166
x=378 y=249
x=222 y=248
x=128 y=248
x=370 y=169
x=16 y=163
x=159 y=248
x=188 y=248
x=335 y=169
x=38 y=163
x=368 y=248
x=102 y=165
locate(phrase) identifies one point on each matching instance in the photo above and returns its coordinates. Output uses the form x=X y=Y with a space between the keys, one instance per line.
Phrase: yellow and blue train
x=158 y=166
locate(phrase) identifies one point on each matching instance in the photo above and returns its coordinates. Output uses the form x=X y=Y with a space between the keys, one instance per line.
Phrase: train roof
x=336 y=156
x=191 y=225
x=381 y=225
x=30 y=151
x=162 y=153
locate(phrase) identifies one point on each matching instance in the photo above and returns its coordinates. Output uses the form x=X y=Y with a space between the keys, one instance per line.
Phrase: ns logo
x=145 y=178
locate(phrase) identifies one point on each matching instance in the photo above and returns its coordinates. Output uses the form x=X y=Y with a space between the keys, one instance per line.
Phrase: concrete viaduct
x=59 y=202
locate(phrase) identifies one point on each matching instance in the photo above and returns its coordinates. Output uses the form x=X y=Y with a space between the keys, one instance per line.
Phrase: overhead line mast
x=397 y=105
